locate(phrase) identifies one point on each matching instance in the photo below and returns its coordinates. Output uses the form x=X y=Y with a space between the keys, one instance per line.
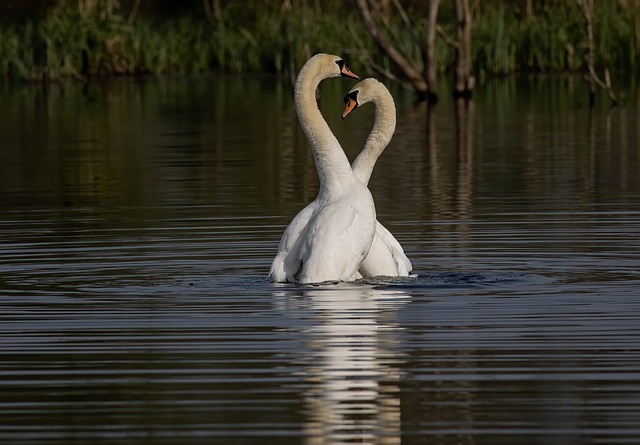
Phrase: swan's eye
x=345 y=71
x=352 y=95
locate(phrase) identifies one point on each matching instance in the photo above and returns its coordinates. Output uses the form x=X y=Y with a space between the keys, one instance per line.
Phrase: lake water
x=138 y=221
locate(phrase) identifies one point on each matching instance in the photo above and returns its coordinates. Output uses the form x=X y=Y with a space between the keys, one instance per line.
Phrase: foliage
x=89 y=38
x=554 y=39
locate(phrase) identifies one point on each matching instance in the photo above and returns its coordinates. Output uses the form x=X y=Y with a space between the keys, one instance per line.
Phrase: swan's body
x=328 y=239
x=386 y=256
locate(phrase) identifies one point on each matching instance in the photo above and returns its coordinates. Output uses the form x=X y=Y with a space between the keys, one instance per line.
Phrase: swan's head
x=362 y=92
x=331 y=66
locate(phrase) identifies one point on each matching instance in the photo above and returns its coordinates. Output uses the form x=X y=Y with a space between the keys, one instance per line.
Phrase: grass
x=70 y=42
x=554 y=40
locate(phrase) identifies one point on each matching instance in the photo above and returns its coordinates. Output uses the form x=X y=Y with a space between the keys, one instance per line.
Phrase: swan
x=386 y=256
x=328 y=239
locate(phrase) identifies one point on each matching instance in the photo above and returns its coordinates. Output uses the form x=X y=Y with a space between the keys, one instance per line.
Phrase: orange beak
x=351 y=105
x=346 y=72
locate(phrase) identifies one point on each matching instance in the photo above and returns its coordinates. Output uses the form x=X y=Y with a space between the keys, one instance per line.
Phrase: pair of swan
x=337 y=236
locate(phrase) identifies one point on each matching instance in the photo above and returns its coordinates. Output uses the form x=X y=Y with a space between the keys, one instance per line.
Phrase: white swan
x=328 y=239
x=386 y=256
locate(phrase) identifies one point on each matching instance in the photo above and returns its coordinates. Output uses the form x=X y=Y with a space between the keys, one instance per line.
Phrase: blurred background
x=52 y=39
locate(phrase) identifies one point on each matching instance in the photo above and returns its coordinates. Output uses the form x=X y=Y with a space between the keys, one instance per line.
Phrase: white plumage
x=337 y=237
x=328 y=239
x=386 y=256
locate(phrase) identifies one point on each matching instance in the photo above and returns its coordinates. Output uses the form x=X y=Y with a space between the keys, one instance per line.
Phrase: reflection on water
x=351 y=372
x=138 y=220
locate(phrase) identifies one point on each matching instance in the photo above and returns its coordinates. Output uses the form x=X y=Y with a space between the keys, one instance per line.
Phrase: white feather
x=386 y=256
x=328 y=239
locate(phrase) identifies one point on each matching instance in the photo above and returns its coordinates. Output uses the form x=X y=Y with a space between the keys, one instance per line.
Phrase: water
x=137 y=225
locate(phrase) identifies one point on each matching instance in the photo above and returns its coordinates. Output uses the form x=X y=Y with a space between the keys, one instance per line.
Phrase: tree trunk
x=213 y=11
x=529 y=8
x=217 y=11
x=592 y=76
x=587 y=11
x=637 y=35
x=464 y=82
x=429 y=55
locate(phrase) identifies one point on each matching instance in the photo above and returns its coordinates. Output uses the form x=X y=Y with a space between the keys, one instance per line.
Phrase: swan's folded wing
x=286 y=264
x=338 y=239
x=402 y=262
x=386 y=257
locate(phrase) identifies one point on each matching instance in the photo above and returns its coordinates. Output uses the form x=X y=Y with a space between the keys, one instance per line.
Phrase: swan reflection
x=351 y=374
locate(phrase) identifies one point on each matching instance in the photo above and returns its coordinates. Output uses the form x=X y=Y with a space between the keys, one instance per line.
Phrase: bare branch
x=134 y=12
x=389 y=75
x=443 y=35
x=407 y=22
x=604 y=85
x=402 y=61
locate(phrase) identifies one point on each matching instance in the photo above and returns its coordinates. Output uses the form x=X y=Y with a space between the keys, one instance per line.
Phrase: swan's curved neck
x=331 y=162
x=384 y=126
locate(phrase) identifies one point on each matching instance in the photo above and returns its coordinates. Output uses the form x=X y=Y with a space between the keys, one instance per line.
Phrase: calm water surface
x=138 y=221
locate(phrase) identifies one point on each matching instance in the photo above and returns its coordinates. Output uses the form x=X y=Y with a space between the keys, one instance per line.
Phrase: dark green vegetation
x=85 y=38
